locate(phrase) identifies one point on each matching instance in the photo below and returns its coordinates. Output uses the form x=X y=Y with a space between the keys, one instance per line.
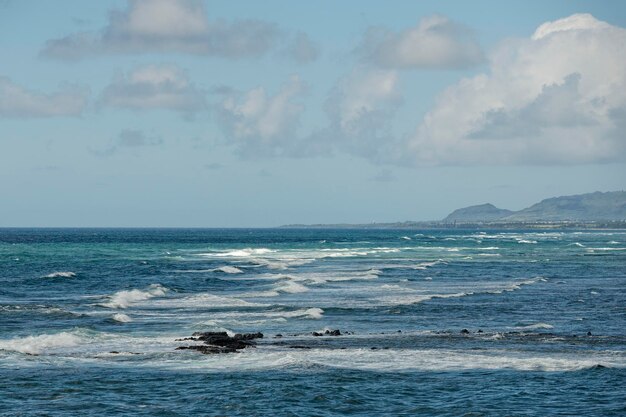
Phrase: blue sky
x=221 y=114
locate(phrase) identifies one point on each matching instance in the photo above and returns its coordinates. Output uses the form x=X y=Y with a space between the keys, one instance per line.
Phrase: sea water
x=433 y=322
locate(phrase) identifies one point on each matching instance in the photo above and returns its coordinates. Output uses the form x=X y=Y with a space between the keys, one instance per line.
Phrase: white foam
x=291 y=287
x=61 y=274
x=241 y=253
x=34 y=345
x=396 y=360
x=580 y=245
x=122 y=318
x=203 y=300
x=532 y=242
x=425 y=265
x=405 y=238
x=123 y=299
x=535 y=326
x=229 y=270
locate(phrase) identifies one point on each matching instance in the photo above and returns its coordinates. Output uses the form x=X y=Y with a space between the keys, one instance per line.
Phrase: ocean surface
x=437 y=322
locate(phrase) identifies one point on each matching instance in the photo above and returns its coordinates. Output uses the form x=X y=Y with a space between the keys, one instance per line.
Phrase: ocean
x=430 y=322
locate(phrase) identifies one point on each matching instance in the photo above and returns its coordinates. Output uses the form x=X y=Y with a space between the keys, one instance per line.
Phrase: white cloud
x=261 y=122
x=154 y=87
x=18 y=102
x=180 y=26
x=556 y=97
x=435 y=42
x=360 y=108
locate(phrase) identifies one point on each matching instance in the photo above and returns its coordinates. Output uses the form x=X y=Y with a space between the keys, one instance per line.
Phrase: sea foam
x=123 y=299
x=61 y=274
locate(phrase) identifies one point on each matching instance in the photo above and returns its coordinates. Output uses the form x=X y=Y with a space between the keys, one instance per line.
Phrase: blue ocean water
x=444 y=322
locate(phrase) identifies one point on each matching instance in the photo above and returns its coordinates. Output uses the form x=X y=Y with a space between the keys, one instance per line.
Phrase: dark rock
x=334 y=333
x=220 y=342
x=464 y=331
x=589 y=334
x=316 y=334
x=299 y=347
x=480 y=330
x=278 y=336
x=115 y=352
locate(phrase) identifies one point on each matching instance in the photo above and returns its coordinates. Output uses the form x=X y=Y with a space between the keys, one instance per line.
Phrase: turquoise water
x=89 y=320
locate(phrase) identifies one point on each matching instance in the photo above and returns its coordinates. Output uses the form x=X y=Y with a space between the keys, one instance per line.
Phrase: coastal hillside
x=479 y=213
x=596 y=206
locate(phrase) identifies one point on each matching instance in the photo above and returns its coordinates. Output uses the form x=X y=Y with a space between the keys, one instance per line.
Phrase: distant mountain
x=480 y=213
x=593 y=206
x=596 y=206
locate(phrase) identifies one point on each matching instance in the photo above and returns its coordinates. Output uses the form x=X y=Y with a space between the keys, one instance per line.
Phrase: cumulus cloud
x=360 y=108
x=179 y=26
x=19 y=102
x=260 y=122
x=435 y=42
x=556 y=97
x=154 y=87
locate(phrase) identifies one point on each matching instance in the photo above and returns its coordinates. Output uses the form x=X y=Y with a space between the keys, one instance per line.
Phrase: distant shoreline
x=547 y=225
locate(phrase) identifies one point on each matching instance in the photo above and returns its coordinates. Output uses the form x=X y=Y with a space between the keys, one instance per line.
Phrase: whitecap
x=229 y=270
x=123 y=299
x=121 y=318
x=34 y=345
x=61 y=274
x=536 y=326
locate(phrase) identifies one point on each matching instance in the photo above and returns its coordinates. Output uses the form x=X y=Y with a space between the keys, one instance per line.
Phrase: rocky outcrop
x=220 y=342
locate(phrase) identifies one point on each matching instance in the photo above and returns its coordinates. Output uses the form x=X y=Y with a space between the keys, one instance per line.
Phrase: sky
x=191 y=113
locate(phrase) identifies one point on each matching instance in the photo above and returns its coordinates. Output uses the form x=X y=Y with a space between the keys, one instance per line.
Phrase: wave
x=121 y=318
x=425 y=265
x=61 y=274
x=416 y=298
x=35 y=345
x=229 y=270
x=123 y=299
x=535 y=326
x=241 y=253
x=291 y=287
x=203 y=300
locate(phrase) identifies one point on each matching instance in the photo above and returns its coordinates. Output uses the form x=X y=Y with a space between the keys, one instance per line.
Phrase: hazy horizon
x=187 y=113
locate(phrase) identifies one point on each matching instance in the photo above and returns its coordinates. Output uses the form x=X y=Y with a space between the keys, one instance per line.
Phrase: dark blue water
x=433 y=322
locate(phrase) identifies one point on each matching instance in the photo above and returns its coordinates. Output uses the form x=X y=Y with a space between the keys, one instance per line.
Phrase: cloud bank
x=154 y=87
x=174 y=26
x=435 y=42
x=19 y=102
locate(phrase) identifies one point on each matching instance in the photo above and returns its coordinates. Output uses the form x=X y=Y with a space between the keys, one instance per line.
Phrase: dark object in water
x=221 y=342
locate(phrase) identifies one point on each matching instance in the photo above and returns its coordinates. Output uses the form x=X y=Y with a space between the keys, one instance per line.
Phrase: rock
x=278 y=336
x=464 y=331
x=316 y=334
x=220 y=342
x=334 y=333
x=589 y=334
x=480 y=330
x=299 y=347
